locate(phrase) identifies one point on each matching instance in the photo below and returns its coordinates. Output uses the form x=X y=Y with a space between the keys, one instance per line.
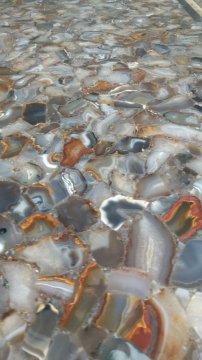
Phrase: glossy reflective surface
x=100 y=181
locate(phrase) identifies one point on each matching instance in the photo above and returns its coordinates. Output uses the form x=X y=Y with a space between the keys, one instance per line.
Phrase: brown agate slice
x=5 y=86
x=73 y=152
x=100 y=86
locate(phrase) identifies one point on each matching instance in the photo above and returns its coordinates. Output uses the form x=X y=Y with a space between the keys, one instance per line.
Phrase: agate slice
x=9 y=194
x=91 y=337
x=118 y=349
x=18 y=278
x=128 y=144
x=116 y=210
x=89 y=294
x=53 y=256
x=117 y=308
x=151 y=247
x=185 y=217
x=129 y=281
x=77 y=212
x=23 y=208
x=56 y=286
x=10 y=234
x=194 y=313
x=150 y=325
x=38 y=337
x=28 y=174
x=5 y=87
x=102 y=243
x=71 y=181
x=187 y=269
x=38 y=225
x=100 y=86
x=40 y=195
x=64 y=347
x=35 y=113
x=100 y=181
x=13 y=328
x=12 y=145
x=172 y=341
x=73 y=151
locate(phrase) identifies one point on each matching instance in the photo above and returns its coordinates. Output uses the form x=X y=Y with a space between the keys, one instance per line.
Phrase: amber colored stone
x=101 y=147
x=6 y=84
x=137 y=36
x=148 y=131
x=73 y=151
x=185 y=217
x=100 y=86
x=138 y=75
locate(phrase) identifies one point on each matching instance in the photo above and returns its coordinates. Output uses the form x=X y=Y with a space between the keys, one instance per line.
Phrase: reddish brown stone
x=100 y=86
x=73 y=151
